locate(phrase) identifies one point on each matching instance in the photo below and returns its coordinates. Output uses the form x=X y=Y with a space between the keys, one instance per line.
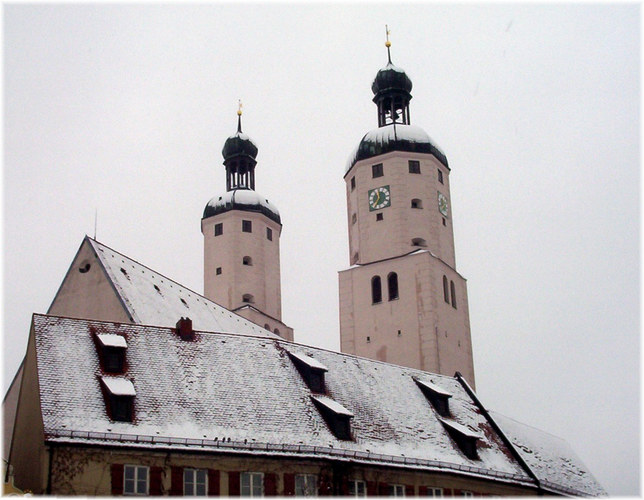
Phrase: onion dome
x=395 y=137
x=391 y=78
x=241 y=199
x=239 y=144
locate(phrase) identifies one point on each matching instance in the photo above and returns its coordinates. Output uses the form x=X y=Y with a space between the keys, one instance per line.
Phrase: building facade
x=402 y=300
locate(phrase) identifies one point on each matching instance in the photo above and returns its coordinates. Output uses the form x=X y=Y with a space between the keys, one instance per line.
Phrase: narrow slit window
x=453 y=290
x=269 y=234
x=353 y=183
x=440 y=176
x=376 y=290
x=445 y=289
x=392 y=286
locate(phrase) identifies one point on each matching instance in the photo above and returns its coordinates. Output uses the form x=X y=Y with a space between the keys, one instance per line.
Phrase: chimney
x=184 y=329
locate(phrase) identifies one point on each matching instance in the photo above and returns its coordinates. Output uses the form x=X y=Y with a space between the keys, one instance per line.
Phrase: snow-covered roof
x=460 y=428
x=119 y=386
x=308 y=360
x=152 y=299
x=332 y=405
x=551 y=458
x=395 y=137
x=434 y=388
x=111 y=340
x=242 y=199
x=241 y=394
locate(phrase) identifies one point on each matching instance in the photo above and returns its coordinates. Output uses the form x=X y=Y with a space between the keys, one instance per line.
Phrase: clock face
x=443 y=206
x=379 y=198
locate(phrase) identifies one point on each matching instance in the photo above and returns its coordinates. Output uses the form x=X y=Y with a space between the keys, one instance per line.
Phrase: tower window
x=416 y=203
x=353 y=183
x=248 y=298
x=377 y=170
x=218 y=271
x=376 y=290
x=392 y=286
x=379 y=216
x=419 y=242
x=269 y=234
x=440 y=176
x=414 y=167
x=219 y=229
x=247 y=261
x=247 y=226
x=453 y=289
x=354 y=219
x=445 y=289
x=444 y=222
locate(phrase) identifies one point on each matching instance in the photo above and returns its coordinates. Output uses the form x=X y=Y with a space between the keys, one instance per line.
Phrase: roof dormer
x=439 y=398
x=464 y=437
x=311 y=370
x=111 y=352
x=337 y=417
x=119 y=395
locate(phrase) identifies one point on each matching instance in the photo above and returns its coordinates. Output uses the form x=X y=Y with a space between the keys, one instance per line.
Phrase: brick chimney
x=184 y=329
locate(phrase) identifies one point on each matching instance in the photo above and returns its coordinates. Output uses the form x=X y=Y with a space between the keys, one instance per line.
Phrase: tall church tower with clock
x=241 y=231
x=402 y=300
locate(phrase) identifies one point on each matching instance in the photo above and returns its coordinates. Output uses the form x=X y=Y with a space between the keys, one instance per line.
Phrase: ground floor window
x=135 y=480
x=396 y=490
x=195 y=482
x=252 y=484
x=357 y=489
x=306 y=485
x=435 y=492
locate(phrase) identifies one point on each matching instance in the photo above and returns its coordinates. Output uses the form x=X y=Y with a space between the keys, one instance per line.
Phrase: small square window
x=219 y=229
x=396 y=490
x=218 y=271
x=379 y=216
x=135 y=480
x=195 y=482
x=414 y=167
x=444 y=222
x=269 y=234
x=440 y=176
x=377 y=170
x=353 y=183
x=247 y=226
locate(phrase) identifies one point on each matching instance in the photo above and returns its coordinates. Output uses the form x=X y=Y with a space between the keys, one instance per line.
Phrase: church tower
x=241 y=231
x=402 y=300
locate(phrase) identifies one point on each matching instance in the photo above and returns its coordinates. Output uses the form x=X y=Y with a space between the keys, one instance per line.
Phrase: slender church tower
x=402 y=300
x=241 y=231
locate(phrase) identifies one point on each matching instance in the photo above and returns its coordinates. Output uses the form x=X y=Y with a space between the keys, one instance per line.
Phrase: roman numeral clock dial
x=379 y=198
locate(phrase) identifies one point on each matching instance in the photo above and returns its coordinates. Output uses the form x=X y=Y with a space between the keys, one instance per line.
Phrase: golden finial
x=239 y=109
x=387 y=43
x=239 y=113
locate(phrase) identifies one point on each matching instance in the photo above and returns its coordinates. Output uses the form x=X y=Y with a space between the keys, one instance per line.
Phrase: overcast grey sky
x=124 y=109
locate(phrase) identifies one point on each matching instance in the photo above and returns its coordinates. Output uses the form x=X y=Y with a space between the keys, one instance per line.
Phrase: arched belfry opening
x=239 y=159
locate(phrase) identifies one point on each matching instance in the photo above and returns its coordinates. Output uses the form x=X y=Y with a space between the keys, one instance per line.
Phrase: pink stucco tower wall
x=241 y=231
x=402 y=300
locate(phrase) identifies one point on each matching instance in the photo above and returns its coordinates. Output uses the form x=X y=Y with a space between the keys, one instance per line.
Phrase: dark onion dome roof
x=391 y=78
x=395 y=137
x=239 y=145
x=242 y=199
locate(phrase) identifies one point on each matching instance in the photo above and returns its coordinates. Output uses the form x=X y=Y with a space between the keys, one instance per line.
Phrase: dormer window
x=120 y=398
x=112 y=352
x=465 y=438
x=337 y=417
x=312 y=371
x=438 y=397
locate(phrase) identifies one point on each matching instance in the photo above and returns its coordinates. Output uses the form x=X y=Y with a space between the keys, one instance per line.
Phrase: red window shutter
x=383 y=489
x=155 y=481
x=233 y=484
x=344 y=485
x=176 y=481
x=117 y=479
x=422 y=491
x=289 y=485
x=213 y=483
x=325 y=485
x=456 y=492
x=409 y=490
x=372 y=490
x=270 y=485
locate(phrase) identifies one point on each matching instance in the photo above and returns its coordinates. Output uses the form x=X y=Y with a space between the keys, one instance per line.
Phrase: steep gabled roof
x=153 y=299
x=551 y=458
x=242 y=394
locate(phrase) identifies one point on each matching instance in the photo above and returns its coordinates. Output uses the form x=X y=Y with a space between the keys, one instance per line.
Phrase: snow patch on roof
x=111 y=340
x=308 y=360
x=119 y=386
x=434 y=388
x=242 y=197
x=332 y=405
